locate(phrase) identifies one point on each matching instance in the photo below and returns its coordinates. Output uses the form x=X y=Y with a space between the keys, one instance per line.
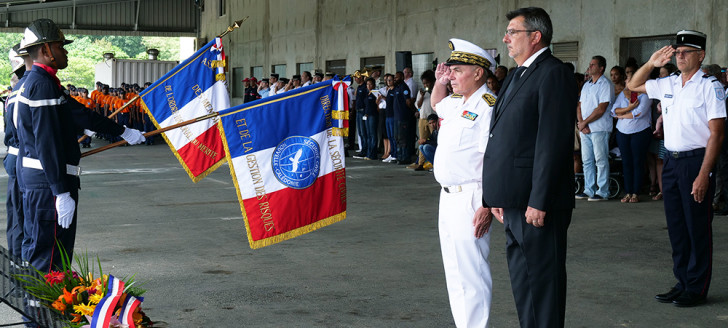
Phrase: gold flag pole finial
x=234 y=26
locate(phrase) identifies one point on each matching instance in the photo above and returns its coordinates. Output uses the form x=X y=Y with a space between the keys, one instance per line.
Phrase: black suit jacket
x=529 y=158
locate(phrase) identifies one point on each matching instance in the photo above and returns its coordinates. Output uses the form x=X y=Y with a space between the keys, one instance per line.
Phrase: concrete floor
x=381 y=267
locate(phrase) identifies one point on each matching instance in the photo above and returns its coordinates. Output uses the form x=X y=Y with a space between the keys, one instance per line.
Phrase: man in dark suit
x=527 y=170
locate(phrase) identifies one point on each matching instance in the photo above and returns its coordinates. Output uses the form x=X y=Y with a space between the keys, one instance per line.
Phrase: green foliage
x=7 y=41
x=168 y=47
x=47 y=288
x=87 y=50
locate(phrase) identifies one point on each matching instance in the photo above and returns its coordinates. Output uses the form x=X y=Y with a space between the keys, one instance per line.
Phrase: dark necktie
x=512 y=84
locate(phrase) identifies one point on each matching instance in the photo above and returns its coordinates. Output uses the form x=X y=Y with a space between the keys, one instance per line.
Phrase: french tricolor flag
x=287 y=162
x=105 y=308
x=126 y=316
x=192 y=89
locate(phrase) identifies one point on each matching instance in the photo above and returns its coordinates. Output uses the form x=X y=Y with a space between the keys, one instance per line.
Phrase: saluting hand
x=442 y=74
x=662 y=56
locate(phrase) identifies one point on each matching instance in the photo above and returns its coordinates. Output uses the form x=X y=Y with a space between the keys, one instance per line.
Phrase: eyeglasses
x=512 y=32
x=684 y=52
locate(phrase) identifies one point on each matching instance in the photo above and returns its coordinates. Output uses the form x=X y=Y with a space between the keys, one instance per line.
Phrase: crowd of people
x=105 y=101
x=389 y=113
x=621 y=118
x=505 y=135
x=620 y=130
x=274 y=85
x=391 y=121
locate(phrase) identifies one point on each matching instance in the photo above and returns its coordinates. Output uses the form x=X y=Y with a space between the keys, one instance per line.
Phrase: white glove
x=133 y=136
x=89 y=133
x=65 y=206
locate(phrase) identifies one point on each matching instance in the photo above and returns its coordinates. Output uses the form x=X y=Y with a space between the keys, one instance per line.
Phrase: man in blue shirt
x=595 y=125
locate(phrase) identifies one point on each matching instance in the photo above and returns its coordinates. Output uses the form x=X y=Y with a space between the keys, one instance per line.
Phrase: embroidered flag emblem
x=469 y=115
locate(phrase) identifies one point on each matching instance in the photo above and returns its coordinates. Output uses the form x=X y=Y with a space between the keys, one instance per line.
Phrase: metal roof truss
x=104 y=17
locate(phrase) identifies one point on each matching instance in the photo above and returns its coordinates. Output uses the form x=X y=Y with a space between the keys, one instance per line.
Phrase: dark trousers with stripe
x=42 y=229
x=14 y=207
x=689 y=223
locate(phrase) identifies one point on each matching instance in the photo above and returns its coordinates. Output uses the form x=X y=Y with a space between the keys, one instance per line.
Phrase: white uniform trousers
x=467 y=271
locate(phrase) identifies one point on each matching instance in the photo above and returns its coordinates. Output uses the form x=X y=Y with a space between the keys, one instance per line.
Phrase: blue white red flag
x=192 y=89
x=286 y=157
x=126 y=316
x=105 y=308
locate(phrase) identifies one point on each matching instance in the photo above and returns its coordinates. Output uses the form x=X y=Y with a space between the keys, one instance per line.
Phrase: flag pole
x=235 y=25
x=84 y=137
x=152 y=133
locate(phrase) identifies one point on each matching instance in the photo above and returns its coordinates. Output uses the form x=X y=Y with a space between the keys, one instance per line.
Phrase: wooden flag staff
x=151 y=133
x=84 y=137
x=171 y=127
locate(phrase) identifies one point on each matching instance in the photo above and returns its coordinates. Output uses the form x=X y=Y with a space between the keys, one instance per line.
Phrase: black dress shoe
x=669 y=296
x=689 y=299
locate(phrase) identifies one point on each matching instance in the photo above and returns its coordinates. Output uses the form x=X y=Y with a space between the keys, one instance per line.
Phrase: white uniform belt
x=12 y=150
x=35 y=164
x=462 y=187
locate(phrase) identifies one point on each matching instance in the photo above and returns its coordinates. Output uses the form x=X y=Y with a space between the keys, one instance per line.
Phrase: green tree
x=7 y=41
x=87 y=50
x=132 y=45
x=83 y=54
x=168 y=47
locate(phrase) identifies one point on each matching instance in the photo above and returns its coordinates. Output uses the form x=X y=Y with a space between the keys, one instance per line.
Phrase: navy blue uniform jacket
x=49 y=122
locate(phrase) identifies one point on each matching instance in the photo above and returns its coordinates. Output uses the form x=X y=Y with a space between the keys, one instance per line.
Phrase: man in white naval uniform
x=463 y=223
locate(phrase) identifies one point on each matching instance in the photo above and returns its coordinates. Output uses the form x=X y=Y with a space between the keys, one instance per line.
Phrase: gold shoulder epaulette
x=489 y=98
x=455 y=95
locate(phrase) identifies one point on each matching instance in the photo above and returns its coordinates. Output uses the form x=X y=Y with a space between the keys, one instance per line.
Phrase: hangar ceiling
x=106 y=17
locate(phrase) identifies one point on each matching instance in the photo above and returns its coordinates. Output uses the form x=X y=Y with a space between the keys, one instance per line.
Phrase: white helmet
x=16 y=62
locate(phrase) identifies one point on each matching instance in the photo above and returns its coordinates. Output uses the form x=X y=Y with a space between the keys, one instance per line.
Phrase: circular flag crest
x=296 y=162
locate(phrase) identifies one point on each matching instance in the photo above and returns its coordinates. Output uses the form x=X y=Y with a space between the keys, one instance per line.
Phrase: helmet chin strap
x=50 y=51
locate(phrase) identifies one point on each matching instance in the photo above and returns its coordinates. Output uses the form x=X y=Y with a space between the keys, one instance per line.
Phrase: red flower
x=54 y=277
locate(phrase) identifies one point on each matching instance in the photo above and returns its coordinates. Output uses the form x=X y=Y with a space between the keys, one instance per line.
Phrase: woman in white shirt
x=634 y=113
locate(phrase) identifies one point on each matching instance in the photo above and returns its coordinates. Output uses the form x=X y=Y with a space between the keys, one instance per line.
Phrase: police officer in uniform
x=360 y=106
x=48 y=122
x=463 y=223
x=14 y=203
x=693 y=111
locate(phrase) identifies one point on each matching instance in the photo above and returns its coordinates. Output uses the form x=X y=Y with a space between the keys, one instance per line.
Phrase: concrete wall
x=296 y=31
